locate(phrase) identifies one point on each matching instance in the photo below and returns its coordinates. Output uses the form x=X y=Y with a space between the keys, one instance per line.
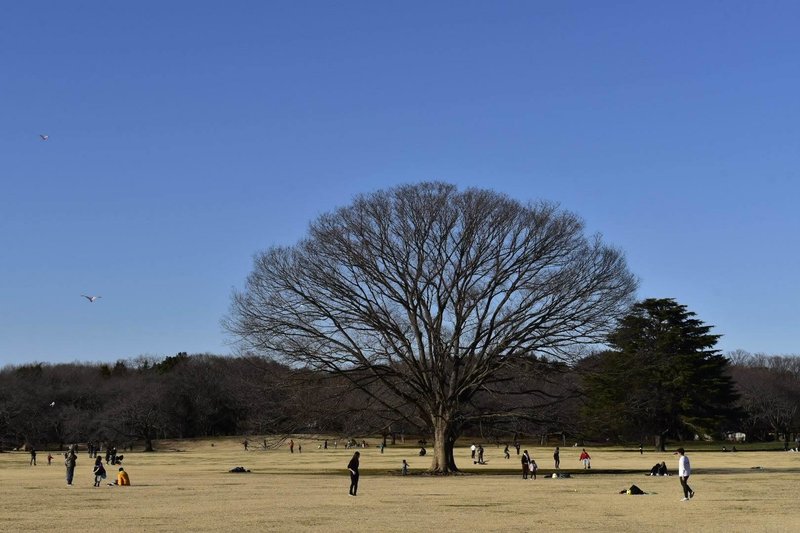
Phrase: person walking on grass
x=507 y=453
x=352 y=466
x=556 y=458
x=33 y=456
x=99 y=471
x=684 y=471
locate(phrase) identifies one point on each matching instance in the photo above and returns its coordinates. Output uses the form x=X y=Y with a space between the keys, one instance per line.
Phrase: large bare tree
x=422 y=293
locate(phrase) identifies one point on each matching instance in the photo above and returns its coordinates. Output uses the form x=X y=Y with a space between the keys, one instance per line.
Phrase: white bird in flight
x=44 y=137
x=52 y=404
x=91 y=298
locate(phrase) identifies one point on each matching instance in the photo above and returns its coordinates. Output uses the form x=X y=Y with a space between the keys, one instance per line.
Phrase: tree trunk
x=661 y=442
x=443 y=439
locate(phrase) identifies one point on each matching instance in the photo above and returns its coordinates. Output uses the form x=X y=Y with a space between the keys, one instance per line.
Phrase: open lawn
x=185 y=486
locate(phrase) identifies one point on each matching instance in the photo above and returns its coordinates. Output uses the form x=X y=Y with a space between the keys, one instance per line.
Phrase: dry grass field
x=185 y=486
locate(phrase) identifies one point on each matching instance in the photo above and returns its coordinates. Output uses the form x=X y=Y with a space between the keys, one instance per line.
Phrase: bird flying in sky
x=91 y=298
x=44 y=137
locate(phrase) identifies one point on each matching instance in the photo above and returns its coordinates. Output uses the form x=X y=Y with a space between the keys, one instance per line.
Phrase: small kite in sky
x=44 y=137
x=91 y=298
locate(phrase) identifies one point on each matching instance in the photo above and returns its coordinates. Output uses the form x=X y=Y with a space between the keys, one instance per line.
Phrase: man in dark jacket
x=526 y=459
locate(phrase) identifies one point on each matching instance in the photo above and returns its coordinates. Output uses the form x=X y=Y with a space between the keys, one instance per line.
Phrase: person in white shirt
x=684 y=471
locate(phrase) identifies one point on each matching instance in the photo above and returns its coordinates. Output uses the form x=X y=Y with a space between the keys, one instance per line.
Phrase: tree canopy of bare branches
x=770 y=394
x=429 y=292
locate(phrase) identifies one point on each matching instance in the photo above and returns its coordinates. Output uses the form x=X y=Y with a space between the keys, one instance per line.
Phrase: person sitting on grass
x=122 y=478
x=659 y=469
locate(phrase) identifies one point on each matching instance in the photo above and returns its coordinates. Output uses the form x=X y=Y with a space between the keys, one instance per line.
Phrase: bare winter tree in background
x=769 y=386
x=423 y=293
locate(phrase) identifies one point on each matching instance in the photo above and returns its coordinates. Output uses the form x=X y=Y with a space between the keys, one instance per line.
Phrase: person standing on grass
x=586 y=459
x=70 y=460
x=684 y=471
x=556 y=458
x=33 y=456
x=352 y=466
x=49 y=458
x=526 y=459
x=533 y=467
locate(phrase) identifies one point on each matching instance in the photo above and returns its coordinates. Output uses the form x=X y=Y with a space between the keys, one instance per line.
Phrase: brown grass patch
x=191 y=490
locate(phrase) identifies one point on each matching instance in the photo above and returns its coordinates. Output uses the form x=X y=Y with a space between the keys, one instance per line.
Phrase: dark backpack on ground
x=635 y=490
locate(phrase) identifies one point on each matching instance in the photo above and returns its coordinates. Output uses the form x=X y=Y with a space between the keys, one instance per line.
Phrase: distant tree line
x=136 y=402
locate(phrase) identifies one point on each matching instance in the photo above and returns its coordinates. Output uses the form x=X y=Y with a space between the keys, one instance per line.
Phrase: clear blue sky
x=187 y=136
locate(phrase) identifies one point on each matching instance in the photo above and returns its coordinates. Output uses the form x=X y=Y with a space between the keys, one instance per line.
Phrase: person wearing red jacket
x=586 y=459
